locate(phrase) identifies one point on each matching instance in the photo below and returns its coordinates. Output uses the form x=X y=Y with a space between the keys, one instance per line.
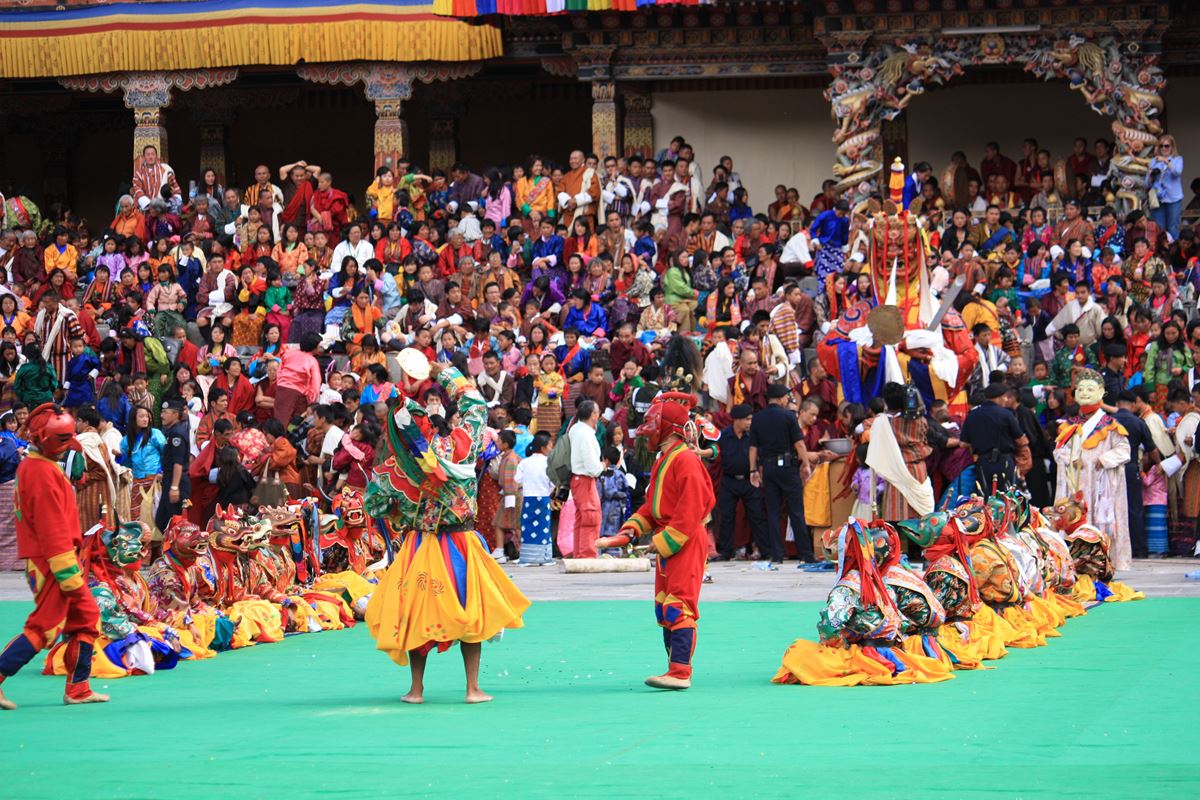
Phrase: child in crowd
x=82 y=370
x=613 y=488
x=536 y=489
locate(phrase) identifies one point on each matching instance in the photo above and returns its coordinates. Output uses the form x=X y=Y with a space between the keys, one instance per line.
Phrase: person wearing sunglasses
x=1168 y=183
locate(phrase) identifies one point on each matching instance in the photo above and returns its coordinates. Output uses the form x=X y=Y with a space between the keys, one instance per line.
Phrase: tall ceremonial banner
x=89 y=39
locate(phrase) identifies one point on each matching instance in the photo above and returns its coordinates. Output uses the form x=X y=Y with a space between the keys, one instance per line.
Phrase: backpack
x=558 y=464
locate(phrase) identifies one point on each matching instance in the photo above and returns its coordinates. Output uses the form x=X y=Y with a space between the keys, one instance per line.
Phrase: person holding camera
x=1166 y=186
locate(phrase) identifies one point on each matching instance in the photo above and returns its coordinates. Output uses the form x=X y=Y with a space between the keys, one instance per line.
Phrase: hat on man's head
x=174 y=404
x=777 y=390
x=742 y=411
x=995 y=390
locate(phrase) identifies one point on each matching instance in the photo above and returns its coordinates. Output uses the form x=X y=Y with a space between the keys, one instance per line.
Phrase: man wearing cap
x=175 y=457
x=734 y=447
x=1113 y=371
x=1141 y=447
x=994 y=436
x=50 y=541
x=778 y=460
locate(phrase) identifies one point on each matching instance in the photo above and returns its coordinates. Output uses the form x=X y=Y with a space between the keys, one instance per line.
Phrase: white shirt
x=333 y=437
x=532 y=478
x=585 y=451
x=796 y=250
x=362 y=252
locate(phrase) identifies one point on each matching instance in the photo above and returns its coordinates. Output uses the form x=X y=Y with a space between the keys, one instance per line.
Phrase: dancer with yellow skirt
x=443 y=586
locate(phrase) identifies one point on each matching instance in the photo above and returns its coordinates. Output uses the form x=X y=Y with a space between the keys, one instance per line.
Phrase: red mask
x=52 y=430
x=668 y=415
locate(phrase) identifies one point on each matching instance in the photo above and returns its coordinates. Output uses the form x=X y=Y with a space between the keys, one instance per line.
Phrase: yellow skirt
x=254 y=621
x=1084 y=591
x=1025 y=631
x=206 y=625
x=416 y=604
x=987 y=635
x=813 y=664
x=1045 y=615
x=104 y=667
x=1067 y=605
x=933 y=668
x=350 y=585
x=1122 y=593
x=970 y=649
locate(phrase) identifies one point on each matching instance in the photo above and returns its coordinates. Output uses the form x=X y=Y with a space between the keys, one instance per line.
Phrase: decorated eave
x=84 y=38
x=481 y=8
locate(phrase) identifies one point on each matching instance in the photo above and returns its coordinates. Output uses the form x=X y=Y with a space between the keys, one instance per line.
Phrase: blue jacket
x=586 y=322
x=830 y=229
x=79 y=375
x=144 y=458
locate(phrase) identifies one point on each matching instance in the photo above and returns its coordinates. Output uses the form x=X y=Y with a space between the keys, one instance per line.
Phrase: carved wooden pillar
x=388 y=86
x=639 y=124
x=149 y=131
x=605 y=137
x=594 y=63
x=391 y=133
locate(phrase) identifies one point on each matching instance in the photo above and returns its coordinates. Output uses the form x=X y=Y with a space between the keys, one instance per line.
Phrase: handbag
x=271 y=491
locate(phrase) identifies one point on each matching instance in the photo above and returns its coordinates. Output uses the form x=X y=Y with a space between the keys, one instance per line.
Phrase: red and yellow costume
x=679 y=501
x=50 y=541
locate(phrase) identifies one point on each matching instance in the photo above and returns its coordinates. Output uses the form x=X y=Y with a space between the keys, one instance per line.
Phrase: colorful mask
x=125 y=543
x=186 y=540
x=668 y=415
x=52 y=430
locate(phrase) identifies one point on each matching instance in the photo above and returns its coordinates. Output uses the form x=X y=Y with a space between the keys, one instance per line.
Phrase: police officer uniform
x=176 y=451
x=993 y=432
x=774 y=433
x=1140 y=441
x=736 y=486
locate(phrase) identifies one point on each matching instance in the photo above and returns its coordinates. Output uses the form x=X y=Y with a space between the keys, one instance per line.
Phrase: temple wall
x=1183 y=122
x=774 y=135
x=966 y=116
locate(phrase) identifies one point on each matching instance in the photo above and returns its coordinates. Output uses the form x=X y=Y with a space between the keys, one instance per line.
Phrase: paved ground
x=739 y=581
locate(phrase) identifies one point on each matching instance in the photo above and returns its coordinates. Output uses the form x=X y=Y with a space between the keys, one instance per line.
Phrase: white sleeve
x=582 y=199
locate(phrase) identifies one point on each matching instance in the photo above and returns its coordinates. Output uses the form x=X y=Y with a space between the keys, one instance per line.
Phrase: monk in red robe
x=328 y=208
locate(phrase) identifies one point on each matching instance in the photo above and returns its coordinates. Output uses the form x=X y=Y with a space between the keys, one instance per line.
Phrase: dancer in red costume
x=679 y=501
x=49 y=539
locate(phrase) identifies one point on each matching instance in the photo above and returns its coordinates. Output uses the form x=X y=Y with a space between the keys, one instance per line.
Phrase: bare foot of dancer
x=94 y=697
x=471 y=653
x=6 y=704
x=416 y=692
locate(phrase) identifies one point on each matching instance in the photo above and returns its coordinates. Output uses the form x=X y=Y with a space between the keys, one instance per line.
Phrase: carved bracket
x=387 y=80
x=151 y=89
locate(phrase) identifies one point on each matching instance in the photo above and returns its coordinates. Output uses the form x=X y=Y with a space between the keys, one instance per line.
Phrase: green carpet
x=1101 y=712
